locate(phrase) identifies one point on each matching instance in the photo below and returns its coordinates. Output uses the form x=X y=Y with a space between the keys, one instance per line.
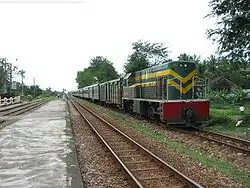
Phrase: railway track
x=8 y=113
x=143 y=167
x=230 y=141
x=4 y=109
x=234 y=142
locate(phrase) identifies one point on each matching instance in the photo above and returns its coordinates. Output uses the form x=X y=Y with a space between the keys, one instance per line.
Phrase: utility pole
x=22 y=85
x=5 y=75
x=10 y=84
x=34 y=82
x=22 y=72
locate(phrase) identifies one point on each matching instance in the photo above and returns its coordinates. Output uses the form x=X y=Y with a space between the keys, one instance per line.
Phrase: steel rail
x=237 y=141
x=16 y=109
x=206 y=135
x=4 y=109
x=19 y=111
x=247 y=142
x=179 y=175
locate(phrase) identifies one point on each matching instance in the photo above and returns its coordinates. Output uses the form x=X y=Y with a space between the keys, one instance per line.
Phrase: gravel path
x=97 y=166
x=205 y=176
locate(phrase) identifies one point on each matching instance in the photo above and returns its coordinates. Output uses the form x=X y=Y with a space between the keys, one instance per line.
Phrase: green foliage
x=145 y=55
x=223 y=97
x=6 y=73
x=85 y=78
x=100 y=70
x=233 y=28
x=3 y=71
x=213 y=67
x=187 y=57
x=44 y=95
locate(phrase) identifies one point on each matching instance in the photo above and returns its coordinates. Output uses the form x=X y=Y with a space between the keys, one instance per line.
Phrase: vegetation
x=225 y=113
x=7 y=70
x=100 y=70
x=232 y=31
x=221 y=98
x=145 y=54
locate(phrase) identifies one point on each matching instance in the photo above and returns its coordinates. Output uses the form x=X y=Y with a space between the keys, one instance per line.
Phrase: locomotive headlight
x=183 y=65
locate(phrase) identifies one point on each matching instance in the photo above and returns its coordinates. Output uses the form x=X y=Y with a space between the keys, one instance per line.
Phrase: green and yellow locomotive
x=170 y=92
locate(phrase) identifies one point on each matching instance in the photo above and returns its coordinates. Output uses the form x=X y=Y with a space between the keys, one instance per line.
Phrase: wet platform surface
x=38 y=150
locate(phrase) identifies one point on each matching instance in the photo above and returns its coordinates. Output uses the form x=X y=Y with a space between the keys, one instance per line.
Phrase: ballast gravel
x=205 y=176
x=239 y=159
x=98 y=167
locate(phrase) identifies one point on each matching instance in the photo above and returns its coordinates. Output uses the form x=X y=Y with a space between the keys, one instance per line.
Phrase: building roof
x=222 y=81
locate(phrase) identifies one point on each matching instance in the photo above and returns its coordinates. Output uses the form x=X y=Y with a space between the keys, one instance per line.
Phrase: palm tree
x=187 y=57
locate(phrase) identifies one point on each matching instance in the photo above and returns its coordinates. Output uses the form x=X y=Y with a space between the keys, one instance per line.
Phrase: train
x=170 y=92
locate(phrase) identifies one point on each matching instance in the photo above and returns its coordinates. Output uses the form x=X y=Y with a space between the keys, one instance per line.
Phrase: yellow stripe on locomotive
x=172 y=80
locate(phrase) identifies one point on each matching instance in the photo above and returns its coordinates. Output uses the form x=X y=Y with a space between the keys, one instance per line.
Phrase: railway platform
x=38 y=150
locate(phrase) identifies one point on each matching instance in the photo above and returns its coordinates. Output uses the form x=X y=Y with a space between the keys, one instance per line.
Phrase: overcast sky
x=52 y=41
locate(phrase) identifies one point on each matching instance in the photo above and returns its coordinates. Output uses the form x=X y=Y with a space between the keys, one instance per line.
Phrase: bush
x=223 y=97
x=44 y=95
x=26 y=98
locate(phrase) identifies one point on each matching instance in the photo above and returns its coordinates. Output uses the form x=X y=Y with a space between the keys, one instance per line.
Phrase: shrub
x=223 y=97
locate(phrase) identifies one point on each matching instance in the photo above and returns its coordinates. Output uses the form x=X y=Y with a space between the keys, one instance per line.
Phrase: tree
x=100 y=70
x=6 y=72
x=35 y=91
x=84 y=78
x=232 y=32
x=187 y=57
x=145 y=55
x=3 y=72
x=22 y=72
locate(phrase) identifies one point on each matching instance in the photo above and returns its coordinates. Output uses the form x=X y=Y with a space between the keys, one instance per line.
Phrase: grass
x=224 y=119
x=227 y=112
x=243 y=131
x=205 y=159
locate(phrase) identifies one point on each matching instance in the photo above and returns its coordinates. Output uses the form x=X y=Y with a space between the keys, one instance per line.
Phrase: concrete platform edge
x=73 y=169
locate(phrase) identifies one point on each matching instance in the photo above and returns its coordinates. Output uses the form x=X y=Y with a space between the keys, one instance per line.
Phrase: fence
x=8 y=101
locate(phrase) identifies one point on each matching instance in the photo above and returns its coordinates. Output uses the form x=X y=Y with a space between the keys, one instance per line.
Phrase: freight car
x=170 y=92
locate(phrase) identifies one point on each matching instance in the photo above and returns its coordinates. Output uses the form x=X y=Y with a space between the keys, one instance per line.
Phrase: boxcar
x=103 y=92
x=94 y=92
x=85 y=92
x=111 y=92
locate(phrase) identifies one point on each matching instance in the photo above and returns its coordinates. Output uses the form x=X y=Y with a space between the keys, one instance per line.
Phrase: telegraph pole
x=22 y=72
x=5 y=75
x=34 y=82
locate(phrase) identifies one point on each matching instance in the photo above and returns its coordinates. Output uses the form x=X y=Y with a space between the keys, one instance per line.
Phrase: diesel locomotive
x=170 y=92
